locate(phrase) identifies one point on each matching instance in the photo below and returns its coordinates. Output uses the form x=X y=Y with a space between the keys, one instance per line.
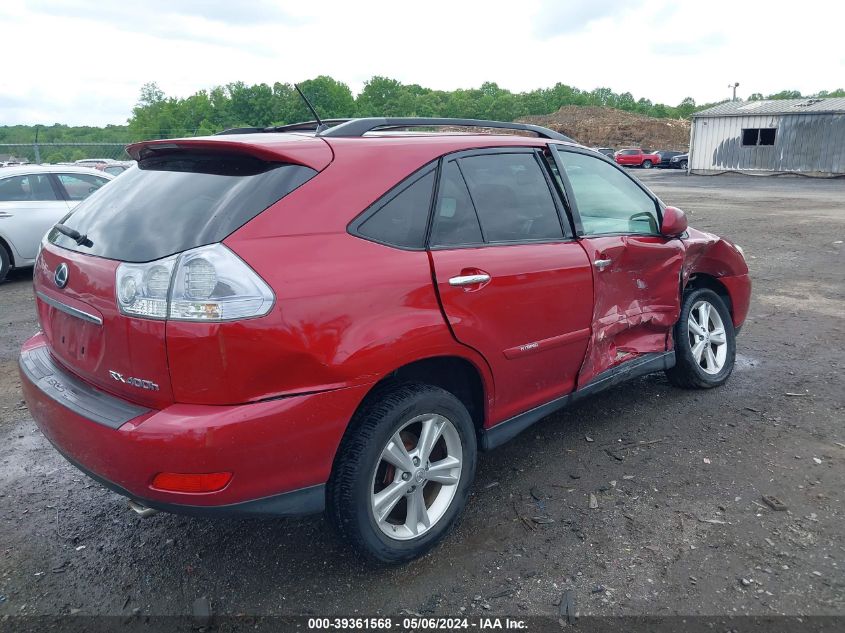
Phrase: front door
x=513 y=283
x=636 y=271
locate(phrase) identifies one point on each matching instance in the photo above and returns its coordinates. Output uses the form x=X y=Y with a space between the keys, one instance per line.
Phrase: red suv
x=275 y=322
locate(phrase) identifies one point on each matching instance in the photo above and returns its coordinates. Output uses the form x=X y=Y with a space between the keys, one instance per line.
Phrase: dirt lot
x=680 y=526
x=607 y=127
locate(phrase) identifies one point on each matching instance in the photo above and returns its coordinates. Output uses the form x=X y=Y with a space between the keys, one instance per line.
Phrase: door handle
x=601 y=264
x=3 y=214
x=469 y=280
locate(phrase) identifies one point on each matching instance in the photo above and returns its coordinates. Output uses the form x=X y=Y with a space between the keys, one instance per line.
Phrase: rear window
x=171 y=203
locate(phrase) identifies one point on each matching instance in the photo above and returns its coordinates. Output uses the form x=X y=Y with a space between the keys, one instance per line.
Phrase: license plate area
x=77 y=342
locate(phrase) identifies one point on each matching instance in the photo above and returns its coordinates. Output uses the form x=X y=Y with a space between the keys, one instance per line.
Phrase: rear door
x=513 y=283
x=77 y=187
x=29 y=206
x=636 y=271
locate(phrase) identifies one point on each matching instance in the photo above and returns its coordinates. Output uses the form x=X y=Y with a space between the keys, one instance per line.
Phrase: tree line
x=240 y=105
x=237 y=104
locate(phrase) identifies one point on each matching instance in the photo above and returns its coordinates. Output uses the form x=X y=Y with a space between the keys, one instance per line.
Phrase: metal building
x=764 y=137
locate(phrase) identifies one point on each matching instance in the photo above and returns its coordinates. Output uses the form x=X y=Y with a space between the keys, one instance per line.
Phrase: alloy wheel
x=416 y=477
x=707 y=338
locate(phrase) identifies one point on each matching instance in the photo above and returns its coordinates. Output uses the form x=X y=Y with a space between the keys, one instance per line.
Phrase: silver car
x=32 y=199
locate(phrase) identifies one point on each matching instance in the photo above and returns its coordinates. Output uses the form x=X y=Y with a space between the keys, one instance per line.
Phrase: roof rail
x=302 y=126
x=359 y=127
x=240 y=130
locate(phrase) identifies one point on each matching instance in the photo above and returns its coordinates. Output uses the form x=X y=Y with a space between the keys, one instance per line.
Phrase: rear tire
x=382 y=495
x=705 y=342
x=647 y=164
x=5 y=263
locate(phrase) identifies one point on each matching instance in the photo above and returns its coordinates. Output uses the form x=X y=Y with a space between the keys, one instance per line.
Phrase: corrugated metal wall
x=807 y=143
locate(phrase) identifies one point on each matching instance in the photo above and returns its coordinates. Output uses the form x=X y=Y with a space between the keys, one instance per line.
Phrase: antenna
x=320 y=125
x=734 y=85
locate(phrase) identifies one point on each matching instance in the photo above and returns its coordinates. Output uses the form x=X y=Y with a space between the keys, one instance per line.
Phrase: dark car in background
x=665 y=157
x=607 y=151
x=679 y=162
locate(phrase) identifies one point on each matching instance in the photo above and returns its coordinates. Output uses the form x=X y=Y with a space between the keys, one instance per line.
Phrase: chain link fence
x=12 y=153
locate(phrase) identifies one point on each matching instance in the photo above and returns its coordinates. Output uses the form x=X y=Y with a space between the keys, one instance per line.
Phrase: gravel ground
x=678 y=477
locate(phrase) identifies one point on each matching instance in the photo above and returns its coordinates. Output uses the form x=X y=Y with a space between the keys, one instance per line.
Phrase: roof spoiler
x=302 y=150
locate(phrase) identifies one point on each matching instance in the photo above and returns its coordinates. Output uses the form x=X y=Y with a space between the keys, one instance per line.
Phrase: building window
x=751 y=137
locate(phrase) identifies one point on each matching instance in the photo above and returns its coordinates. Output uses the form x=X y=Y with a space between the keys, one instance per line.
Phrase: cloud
x=135 y=15
x=556 y=17
x=688 y=47
x=212 y=22
x=80 y=61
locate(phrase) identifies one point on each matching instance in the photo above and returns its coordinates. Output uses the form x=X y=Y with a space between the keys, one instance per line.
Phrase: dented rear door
x=636 y=271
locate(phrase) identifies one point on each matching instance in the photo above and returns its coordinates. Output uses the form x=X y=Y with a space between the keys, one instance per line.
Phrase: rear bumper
x=279 y=451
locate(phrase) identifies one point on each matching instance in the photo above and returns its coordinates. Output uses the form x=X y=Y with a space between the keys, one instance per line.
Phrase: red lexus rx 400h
x=298 y=319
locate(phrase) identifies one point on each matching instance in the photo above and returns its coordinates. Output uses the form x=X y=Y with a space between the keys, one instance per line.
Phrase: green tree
x=382 y=96
x=786 y=94
x=685 y=108
x=332 y=99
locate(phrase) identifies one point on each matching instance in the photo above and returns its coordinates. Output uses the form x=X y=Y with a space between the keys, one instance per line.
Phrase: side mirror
x=674 y=222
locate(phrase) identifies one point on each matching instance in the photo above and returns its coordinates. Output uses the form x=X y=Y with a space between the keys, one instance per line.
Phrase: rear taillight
x=209 y=283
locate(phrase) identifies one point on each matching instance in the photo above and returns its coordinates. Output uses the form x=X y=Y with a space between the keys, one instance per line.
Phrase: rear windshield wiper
x=76 y=236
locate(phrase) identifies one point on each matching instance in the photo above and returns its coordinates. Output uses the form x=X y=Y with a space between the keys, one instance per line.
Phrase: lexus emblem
x=61 y=275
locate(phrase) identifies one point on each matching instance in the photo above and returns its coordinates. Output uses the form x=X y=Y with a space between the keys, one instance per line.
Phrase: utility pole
x=37 y=149
x=734 y=86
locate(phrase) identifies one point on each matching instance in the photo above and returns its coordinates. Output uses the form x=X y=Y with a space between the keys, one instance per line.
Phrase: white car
x=32 y=199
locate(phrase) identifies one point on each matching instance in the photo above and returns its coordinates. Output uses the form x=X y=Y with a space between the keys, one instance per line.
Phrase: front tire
x=683 y=165
x=705 y=342
x=647 y=164
x=403 y=472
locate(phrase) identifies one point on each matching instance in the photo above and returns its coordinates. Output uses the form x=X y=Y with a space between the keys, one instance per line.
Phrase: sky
x=83 y=63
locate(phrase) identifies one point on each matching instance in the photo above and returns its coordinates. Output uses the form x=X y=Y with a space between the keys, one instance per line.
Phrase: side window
x=401 y=219
x=80 y=186
x=455 y=222
x=608 y=201
x=29 y=188
x=512 y=197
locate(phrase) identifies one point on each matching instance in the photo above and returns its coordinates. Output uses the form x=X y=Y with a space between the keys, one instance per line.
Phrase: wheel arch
x=455 y=374
x=5 y=245
x=703 y=280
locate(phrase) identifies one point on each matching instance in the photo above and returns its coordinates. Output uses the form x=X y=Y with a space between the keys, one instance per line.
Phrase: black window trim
x=354 y=227
x=566 y=228
x=558 y=147
x=570 y=219
x=58 y=189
